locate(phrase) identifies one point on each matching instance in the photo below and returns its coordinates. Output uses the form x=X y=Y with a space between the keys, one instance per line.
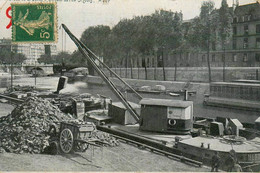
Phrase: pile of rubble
x=25 y=129
x=106 y=138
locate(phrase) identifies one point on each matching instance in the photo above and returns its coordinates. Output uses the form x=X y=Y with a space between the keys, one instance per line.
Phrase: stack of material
x=25 y=129
x=106 y=138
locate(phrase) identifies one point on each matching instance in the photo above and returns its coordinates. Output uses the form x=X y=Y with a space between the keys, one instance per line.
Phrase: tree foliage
x=96 y=38
x=138 y=36
x=7 y=57
x=55 y=59
x=225 y=23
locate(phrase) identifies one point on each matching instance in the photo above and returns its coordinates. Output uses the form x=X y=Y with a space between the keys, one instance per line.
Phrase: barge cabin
x=165 y=115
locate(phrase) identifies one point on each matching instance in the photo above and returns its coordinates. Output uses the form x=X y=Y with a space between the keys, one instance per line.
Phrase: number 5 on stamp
x=34 y=23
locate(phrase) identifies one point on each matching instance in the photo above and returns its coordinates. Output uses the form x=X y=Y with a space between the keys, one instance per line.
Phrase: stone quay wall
x=192 y=74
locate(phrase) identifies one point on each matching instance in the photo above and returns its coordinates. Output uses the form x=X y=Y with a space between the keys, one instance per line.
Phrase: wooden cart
x=72 y=136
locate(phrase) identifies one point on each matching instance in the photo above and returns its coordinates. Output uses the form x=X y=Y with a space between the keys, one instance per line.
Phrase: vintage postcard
x=129 y=85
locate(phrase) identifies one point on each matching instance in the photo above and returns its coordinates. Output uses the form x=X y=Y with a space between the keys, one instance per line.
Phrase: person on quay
x=231 y=160
x=215 y=162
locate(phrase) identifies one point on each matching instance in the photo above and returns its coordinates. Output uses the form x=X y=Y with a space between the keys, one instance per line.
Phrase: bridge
x=38 y=68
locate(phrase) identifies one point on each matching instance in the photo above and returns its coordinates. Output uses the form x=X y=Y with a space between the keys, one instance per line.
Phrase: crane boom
x=95 y=57
x=111 y=85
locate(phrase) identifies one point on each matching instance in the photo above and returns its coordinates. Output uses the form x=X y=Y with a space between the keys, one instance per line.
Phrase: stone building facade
x=31 y=51
x=242 y=50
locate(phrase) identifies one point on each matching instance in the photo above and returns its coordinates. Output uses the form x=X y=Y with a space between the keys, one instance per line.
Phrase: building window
x=213 y=58
x=258 y=28
x=247 y=18
x=235 y=30
x=234 y=57
x=234 y=44
x=257 y=42
x=245 y=45
x=257 y=57
x=246 y=29
x=245 y=57
x=242 y=18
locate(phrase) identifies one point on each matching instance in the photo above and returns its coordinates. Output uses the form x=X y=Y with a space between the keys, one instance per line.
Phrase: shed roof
x=166 y=102
x=120 y=105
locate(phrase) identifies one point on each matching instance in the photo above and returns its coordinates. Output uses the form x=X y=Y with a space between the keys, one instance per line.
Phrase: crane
x=91 y=57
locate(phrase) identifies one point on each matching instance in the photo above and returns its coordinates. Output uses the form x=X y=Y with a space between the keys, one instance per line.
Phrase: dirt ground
x=124 y=157
x=121 y=158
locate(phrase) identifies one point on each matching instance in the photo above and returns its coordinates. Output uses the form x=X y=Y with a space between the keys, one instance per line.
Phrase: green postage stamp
x=34 y=22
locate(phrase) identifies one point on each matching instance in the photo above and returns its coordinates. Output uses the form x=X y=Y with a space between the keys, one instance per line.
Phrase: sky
x=79 y=15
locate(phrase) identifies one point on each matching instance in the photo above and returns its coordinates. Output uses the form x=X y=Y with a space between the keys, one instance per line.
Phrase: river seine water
x=81 y=87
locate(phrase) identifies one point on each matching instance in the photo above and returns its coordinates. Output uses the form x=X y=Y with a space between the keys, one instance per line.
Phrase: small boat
x=147 y=90
x=191 y=93
x=174 y=94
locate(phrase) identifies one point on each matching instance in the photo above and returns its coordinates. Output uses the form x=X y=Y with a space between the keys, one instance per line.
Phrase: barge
x=239 y=95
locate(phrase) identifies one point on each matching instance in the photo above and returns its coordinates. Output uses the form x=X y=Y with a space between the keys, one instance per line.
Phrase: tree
x=46 y=59
x=225 y=29
x=11 y=57
x=124 y=33
x=96 y=38
x=225 y=23
x=208 y=20
x=18 y=58
x=62 y=57
x=194 y=36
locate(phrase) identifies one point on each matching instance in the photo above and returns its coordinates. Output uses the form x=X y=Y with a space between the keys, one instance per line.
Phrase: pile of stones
x=106 y=139
x=25 y=130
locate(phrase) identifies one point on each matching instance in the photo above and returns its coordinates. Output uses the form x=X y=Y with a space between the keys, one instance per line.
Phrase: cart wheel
x=66 y=140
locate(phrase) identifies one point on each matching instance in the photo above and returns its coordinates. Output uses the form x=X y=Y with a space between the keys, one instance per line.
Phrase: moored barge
x=239 y=95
